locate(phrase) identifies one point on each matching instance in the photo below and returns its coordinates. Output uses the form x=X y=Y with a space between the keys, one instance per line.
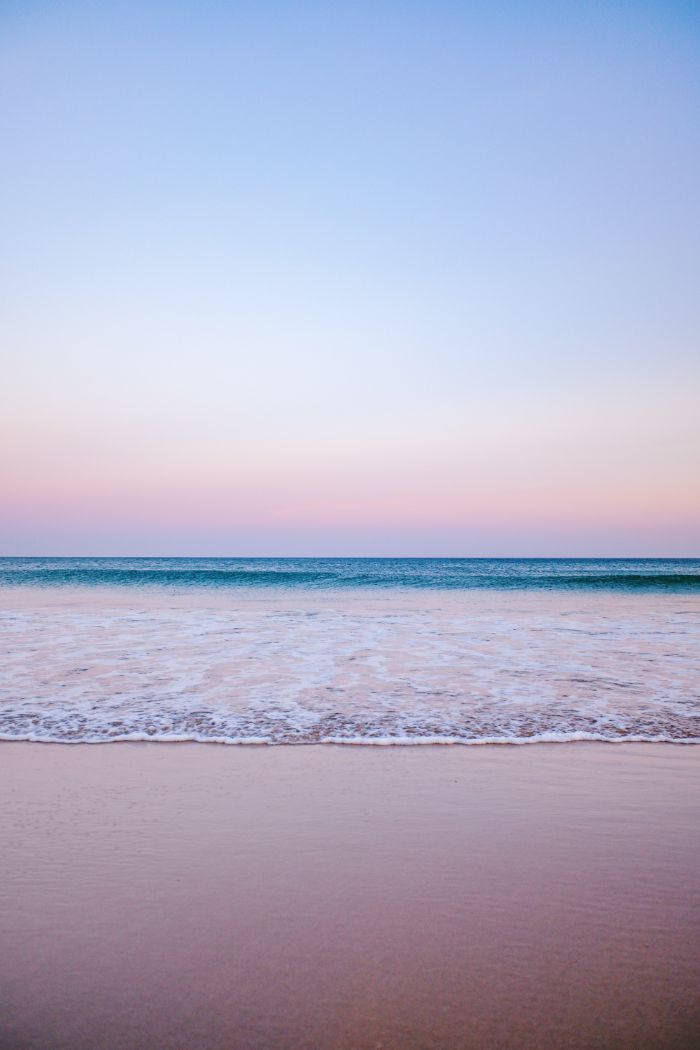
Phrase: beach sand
x=192 y=897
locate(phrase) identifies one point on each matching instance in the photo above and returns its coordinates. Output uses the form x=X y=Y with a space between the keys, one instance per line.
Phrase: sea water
x=374 y=651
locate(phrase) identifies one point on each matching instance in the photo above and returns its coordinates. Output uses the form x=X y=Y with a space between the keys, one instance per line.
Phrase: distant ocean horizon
x=667 y=574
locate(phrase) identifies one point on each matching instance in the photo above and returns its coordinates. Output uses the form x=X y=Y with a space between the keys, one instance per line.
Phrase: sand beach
x=173 y=896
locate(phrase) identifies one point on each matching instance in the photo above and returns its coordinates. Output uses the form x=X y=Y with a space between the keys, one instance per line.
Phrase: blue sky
x=389 y=278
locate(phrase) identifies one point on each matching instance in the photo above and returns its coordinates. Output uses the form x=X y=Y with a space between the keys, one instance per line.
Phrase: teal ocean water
x=667 y=574
x=351 y=651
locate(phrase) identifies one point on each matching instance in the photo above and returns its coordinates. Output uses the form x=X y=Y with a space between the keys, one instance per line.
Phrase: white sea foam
x=102 y=665
x=360 y=741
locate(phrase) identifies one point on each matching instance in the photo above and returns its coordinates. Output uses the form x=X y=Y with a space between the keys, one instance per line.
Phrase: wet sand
x=192 y=897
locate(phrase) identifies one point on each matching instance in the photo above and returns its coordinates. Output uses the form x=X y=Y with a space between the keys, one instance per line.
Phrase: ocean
x=349 y=650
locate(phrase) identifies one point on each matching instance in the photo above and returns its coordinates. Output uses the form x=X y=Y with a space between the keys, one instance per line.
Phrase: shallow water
x=353 y=665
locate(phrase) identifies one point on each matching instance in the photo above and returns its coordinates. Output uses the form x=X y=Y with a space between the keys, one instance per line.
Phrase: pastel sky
x=350 y=278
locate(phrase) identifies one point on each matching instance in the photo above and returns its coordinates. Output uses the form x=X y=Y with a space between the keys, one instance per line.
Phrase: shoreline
x=363 y=743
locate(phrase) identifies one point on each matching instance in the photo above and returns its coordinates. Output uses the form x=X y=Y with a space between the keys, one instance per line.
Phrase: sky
x=388 y=278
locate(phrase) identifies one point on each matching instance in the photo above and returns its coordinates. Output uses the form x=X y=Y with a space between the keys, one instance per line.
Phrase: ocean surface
x=373 y=651
x=668 y=574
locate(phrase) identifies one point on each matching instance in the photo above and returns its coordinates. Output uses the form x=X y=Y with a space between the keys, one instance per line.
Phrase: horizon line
x=365 y=557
